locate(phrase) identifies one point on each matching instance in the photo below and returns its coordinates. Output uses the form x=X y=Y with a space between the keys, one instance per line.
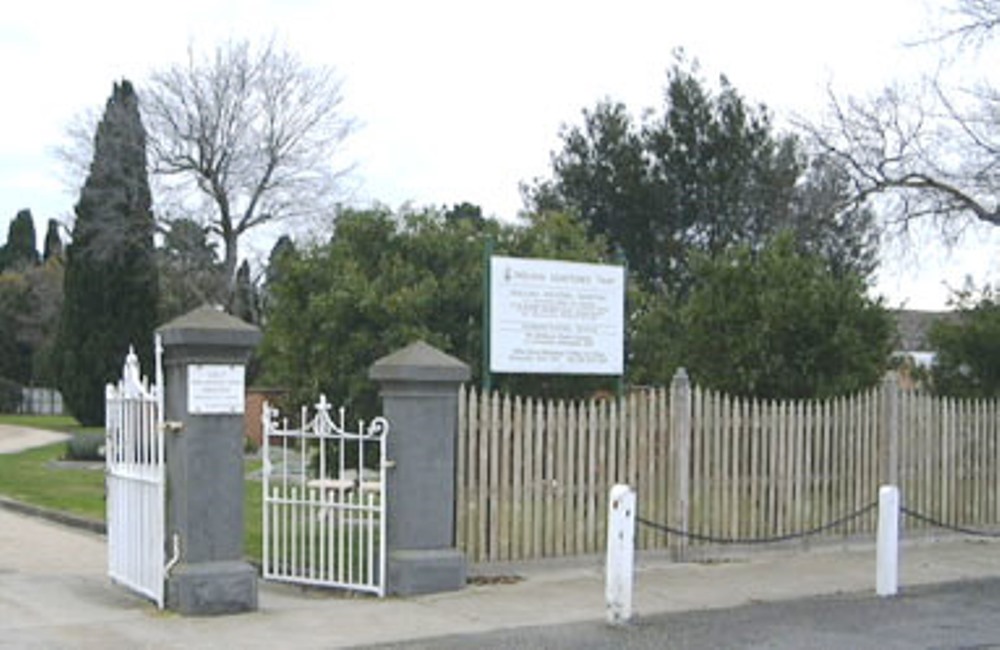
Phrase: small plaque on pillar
x=215 y=389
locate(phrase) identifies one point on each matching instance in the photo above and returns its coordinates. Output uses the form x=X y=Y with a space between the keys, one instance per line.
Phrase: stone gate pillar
x=419 y=388
x=204 y=360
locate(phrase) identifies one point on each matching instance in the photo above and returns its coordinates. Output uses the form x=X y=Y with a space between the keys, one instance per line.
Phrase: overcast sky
x=461 y=101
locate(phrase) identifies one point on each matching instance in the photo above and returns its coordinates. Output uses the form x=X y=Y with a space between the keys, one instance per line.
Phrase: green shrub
x=85 y=446
x=250 y=446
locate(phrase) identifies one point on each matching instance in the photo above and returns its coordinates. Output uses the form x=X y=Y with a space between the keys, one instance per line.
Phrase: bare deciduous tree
x=931 y=149
x=243 y=138
x=974 y=23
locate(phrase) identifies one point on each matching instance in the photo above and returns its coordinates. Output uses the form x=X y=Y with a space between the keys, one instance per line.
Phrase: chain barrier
x=759 y=540
x=940 y=524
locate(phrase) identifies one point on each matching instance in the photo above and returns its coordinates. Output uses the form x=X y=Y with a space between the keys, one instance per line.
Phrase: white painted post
x=887 y=553
x=621 y=554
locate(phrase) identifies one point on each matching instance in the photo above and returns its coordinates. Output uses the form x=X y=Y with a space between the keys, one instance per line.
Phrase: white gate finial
x=131 y=374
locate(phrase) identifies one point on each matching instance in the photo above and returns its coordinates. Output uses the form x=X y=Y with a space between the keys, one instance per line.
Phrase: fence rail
x=533 y=476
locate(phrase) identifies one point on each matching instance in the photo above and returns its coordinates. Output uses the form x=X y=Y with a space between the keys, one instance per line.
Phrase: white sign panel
x=556 y=317
x=216 y=389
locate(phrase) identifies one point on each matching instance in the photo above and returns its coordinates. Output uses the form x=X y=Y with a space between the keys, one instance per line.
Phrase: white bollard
x=621 y=554
x=887 y=551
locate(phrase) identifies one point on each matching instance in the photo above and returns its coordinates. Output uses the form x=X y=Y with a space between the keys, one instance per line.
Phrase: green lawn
x=253 y=503
x=34 y=477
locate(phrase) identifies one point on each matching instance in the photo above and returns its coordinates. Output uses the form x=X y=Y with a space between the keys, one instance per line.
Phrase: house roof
x=913 y=326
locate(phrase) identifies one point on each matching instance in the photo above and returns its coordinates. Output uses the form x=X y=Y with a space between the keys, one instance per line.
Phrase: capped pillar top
x=419 y=361
x=209 y=326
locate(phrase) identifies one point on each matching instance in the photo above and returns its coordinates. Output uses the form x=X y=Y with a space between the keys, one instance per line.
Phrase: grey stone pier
x=204 y=359
x=419 y=388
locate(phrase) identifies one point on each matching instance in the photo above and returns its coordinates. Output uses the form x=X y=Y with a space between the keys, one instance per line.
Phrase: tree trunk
x=229 y=268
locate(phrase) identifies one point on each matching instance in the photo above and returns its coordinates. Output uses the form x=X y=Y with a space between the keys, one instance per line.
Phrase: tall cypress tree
x=111 y=285
x=20 y=252
x=53 y=242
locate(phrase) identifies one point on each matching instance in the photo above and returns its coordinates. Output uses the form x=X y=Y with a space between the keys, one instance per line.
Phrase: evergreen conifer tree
x=53 y=242
x=20 y=252
x=245 y=300
x=111 y=285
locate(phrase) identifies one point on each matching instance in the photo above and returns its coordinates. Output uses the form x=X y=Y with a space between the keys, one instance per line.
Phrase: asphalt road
x=953 y=616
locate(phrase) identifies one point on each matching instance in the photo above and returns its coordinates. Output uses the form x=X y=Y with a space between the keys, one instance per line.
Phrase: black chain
x=940 y=524
x=759 y=540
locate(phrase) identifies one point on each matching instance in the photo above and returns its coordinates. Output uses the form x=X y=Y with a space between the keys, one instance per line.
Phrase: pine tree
x=111 y=286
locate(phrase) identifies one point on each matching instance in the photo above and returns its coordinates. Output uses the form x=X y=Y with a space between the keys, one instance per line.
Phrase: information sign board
x=215 y=389
x=555 y=317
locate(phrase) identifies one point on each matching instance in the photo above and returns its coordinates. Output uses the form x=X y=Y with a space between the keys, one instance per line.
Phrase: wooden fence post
x=680 y=447
x=889 y=444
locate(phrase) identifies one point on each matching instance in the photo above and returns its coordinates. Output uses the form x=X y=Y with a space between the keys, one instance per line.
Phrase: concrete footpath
x=54 y=593
x=14 y=438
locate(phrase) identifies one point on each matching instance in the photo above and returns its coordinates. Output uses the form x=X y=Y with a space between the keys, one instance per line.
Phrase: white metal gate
x=324 y=500
x=136 y=480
